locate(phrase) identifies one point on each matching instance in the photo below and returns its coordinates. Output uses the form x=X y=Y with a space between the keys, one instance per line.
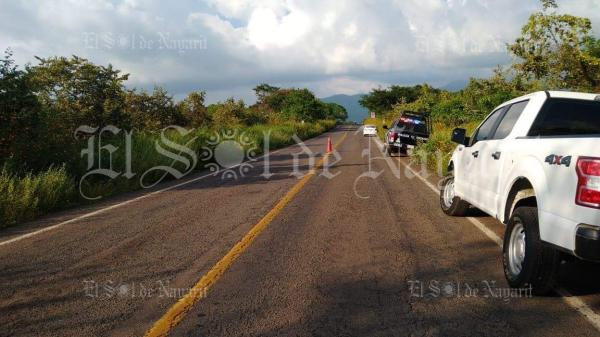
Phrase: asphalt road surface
x=358 y=254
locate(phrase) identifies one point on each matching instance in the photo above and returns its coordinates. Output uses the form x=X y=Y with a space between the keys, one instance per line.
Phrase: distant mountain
x=356 y=112
x=455 y=85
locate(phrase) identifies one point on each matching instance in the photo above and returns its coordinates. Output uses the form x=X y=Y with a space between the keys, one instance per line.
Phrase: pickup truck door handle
x=475 y=154
x=496 y=155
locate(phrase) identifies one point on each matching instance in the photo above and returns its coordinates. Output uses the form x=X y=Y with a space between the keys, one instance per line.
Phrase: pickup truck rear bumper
x=587 y=242
x=411 y=139
x=398 y=145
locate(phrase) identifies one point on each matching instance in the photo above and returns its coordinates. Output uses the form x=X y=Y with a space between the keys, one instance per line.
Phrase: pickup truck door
x=465 y=172
x=492 y=160
x=481 y=169
x=489 y=164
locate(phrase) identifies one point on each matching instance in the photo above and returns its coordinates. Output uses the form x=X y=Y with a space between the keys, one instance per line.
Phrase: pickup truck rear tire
x=403 y=150
x=389 y=151
x=450 y=203
x=527 y=261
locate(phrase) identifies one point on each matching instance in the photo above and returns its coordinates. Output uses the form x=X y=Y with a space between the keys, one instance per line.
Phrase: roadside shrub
x=437 y=151
x=24 y=198
x=27 y=196
x=41 y=106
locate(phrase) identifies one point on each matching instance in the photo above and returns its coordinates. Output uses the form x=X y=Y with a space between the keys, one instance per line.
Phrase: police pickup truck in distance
x=534 y=164
x=406 y=132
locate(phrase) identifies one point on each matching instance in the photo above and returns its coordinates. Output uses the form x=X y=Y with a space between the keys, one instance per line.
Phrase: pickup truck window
x=567 y=117
x=487 y=128
x=510 y=119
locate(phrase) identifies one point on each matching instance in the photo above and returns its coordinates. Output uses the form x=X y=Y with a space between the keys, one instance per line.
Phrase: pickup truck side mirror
x=385 y=127
x=459 y=136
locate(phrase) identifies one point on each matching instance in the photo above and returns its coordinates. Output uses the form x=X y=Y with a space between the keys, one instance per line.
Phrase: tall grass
x=25 y=196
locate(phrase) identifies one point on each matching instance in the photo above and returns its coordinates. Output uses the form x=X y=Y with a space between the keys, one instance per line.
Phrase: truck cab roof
x=555 y=94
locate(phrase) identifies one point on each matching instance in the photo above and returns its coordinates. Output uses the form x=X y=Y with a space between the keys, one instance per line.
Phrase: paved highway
x=353 y=255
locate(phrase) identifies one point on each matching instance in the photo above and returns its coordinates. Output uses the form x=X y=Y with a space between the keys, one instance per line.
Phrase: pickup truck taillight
x=393 y=136
x=588 y=185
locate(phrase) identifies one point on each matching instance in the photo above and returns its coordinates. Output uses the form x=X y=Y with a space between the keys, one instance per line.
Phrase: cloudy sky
x=226 y=47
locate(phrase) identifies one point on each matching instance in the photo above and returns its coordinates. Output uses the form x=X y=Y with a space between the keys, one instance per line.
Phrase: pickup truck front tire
x=527 y=261
x=450 y=203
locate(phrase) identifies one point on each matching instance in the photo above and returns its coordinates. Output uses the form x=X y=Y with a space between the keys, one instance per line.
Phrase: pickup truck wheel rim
x=449 y=193
x=516 y=249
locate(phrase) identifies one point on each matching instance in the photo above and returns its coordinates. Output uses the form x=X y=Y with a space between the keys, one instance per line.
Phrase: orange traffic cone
x=329 y=145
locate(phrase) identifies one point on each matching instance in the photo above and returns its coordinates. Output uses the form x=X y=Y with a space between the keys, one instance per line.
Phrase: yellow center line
x=177 y=312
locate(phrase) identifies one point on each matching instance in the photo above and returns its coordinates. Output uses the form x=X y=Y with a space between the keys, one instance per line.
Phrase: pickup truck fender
x=454 y=165
x=528 y=169
x=452 y=161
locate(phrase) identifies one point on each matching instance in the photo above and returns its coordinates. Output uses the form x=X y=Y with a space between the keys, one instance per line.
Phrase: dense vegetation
x=42 y=105
x=554 y=52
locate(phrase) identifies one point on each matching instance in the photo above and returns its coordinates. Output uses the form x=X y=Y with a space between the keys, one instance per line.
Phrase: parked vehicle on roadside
x=406 y=132
x=534 y=164
x=369 y=130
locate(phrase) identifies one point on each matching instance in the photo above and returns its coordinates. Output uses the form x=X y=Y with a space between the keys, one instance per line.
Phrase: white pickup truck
x=534 y=164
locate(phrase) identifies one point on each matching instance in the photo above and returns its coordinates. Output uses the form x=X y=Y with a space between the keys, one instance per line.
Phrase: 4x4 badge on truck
x=559 y=160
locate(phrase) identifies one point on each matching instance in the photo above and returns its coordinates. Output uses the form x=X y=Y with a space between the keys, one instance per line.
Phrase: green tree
x=193 y=110
x=335 y=111
x=276 y=104
x=481 y=96
x=227 y=114
x=592 y=47
x=548 y=4
x=427 y=98
x=254 y=115
x=152 y=111
x=558 y=49
x=80 y=92
x=264 y=90
x=301 y=104
x=382 y=100
x=275 y=101
x=21 y=120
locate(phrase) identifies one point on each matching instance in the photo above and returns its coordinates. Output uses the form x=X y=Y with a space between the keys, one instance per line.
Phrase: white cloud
x=346 y=85
x=266 y=29
x=243 y=9
x=346 y=46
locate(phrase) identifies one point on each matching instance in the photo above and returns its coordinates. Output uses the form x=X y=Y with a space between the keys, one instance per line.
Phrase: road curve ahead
x=362 y=250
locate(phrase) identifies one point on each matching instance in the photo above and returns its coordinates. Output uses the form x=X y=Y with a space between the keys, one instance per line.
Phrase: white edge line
x=581 y=307
x=100 y=211
x=574 y=302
